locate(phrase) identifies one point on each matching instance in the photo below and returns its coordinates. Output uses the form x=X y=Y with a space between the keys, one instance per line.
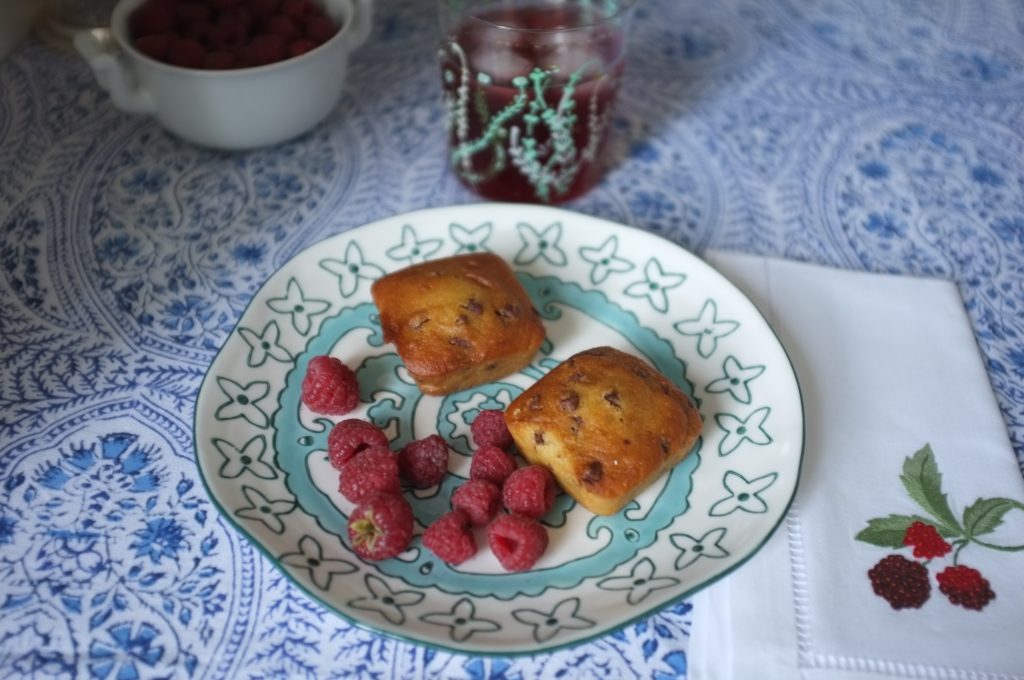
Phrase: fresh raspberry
x=263 y=8
x=219 y=60
x=329 y=386
x=282 y=25
x=239 y=17
x=154 y=46
x=926 y=541
x=351 y=436
x=370 y=471
x=965 y=586
x=381 y=526
x=266 y=49
x=320 y=28
x=151 y=18
x=489 y=429
x=300 y=47
x=479 y=499
x=227 y=34
x=200 y=31
x=186 y=52
x=451 y=538
x=902 y=582
x=517 y=542
x=298 y=9
x=231 y=28
x=529 y=491
x=192 y=13
x=493 y=464
x=424 y=462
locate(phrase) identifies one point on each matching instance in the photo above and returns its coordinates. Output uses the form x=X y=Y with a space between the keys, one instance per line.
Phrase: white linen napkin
x=901 y=422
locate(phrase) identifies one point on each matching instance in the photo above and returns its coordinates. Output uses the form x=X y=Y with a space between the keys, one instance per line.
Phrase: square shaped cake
x=606 y=424
x=459 y=321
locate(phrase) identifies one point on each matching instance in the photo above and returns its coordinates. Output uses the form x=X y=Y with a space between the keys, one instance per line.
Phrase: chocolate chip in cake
x=664 y=446
x=538 y=437
x=419 y=321
x=461 y=320
x=508 y=312
x=575 y=423
x=641 y=372
x=592 y=473
x=570 y=402
x=460 y=341
x=612 y=398
x=473 y=306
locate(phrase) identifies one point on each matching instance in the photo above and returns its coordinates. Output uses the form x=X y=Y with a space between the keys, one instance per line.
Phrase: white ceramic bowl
x=230 y=109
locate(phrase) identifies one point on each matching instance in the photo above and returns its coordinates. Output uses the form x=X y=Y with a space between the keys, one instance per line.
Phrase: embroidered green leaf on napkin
x=906 y=583
x=923 y=481
x=986 y=514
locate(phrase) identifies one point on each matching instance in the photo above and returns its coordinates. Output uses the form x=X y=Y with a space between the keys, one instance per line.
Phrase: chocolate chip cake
x=606 y=424
x=459 y=321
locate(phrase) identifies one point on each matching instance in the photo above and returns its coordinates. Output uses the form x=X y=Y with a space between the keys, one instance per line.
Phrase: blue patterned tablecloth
x=883 y=136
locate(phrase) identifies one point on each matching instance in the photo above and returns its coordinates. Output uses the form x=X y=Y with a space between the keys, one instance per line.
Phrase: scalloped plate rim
x=540 y=648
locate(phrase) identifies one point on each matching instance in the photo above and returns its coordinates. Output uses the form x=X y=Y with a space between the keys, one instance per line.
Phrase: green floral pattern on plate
x=299 y=309
x=462 y=621
x=744 y=494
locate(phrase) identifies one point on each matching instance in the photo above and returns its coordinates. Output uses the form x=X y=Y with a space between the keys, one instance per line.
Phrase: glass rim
x=625 y=7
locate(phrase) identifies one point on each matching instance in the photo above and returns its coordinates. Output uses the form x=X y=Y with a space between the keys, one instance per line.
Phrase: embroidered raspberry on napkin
x=905 y=583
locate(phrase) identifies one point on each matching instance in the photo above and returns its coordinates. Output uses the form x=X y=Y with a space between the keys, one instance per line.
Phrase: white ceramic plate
x=262 y=454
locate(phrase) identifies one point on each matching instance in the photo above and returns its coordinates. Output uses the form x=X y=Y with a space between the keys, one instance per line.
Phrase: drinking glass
x=529 y=87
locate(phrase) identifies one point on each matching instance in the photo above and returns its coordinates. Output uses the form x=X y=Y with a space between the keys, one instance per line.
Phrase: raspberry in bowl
x=228 y=74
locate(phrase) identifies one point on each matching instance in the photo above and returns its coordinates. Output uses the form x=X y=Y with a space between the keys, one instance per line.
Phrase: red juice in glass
x=529 y=91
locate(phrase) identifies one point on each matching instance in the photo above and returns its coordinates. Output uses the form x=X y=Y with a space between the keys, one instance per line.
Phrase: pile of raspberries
x=371 y=477
x=228 y=34
x=905 y=583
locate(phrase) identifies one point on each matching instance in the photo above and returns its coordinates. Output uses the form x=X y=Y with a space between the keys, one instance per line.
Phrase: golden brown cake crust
x=606 y=424
x=459 y=321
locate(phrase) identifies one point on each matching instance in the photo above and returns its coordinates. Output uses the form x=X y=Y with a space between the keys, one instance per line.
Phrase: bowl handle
x=111 y=70
x=362 y=22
